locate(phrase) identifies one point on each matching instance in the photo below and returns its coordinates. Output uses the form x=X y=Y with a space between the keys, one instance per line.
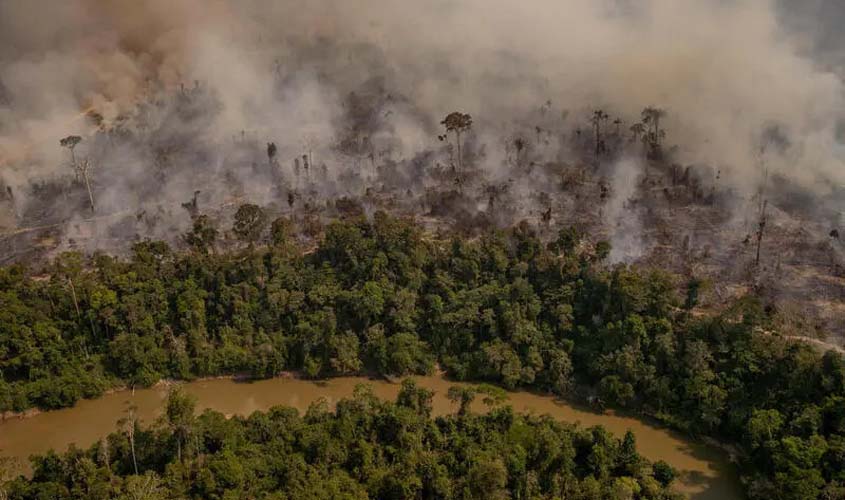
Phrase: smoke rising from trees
x=186 y=89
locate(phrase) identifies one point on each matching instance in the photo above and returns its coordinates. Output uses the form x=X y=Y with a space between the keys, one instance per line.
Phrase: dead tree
x=654 y=135
x=191 y=206
x=129 y=423
x=457 y=123
x=306 y=165
x=761 y=226
x=597 y=119
x=70 y=142
x=516 y=146
x=83 y=169
x=637 y=131
x=651 y=118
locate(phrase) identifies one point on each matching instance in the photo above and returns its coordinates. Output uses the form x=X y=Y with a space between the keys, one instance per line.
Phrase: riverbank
x=583 y=404
x=32 y=412
x=242 y=377
x=164 y=382
x=706 y=472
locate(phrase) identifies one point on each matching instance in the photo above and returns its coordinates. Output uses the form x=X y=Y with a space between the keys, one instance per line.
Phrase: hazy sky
x=726 y=70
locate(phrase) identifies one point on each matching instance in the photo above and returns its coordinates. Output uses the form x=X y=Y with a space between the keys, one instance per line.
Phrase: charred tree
x=83 y=169
x=458 y=123
x=651 y=117
x=192 y=206
x=637 y=131
x=70 y=142
x=598 y=118
x=761 y=227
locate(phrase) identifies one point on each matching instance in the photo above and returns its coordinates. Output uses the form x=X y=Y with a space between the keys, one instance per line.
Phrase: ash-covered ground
x=612 y=182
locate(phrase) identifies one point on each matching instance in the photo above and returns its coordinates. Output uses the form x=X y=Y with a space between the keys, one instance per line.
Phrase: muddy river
x=706 y=472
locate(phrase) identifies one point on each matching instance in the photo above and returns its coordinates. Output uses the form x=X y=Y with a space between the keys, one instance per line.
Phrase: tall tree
x=458 y=123
x=761 y=228
x=598 y=118
x=84 y=168
x=651 y=117
x=70 y=142
x=130 y=424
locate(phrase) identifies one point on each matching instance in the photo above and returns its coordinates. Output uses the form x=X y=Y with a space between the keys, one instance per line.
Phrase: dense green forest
x=367 y=448
x=386 y=298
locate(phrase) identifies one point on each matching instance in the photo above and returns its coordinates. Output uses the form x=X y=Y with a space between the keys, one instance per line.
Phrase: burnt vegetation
x=150 y=174
x=500 y=253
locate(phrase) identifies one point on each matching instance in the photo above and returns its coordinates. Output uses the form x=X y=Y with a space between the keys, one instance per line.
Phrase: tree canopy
x=380 y=297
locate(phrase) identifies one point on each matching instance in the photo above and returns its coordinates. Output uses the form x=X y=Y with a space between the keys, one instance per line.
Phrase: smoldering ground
x=172 y=98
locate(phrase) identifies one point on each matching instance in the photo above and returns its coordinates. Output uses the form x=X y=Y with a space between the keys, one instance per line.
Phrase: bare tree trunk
x=460 y=151
x=88 y=187
x=130 y=423
x=73 y=164
x=762 y=226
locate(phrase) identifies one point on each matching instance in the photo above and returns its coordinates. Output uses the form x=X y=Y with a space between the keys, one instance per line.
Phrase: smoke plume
x=172 y=97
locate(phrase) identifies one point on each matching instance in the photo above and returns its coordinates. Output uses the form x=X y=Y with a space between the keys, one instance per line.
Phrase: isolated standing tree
x=81 y=169
x=84 y=169
x=71 y=142
x=598 y=117
x=457 y=123
x=250 y=221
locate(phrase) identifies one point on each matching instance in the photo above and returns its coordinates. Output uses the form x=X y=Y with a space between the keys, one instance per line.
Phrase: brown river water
x=706 y=473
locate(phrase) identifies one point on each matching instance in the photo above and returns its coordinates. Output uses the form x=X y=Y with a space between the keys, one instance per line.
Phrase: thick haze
x=725 y=71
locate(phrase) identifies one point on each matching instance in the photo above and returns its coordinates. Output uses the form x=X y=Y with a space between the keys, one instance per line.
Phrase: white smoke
x=622 y=215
